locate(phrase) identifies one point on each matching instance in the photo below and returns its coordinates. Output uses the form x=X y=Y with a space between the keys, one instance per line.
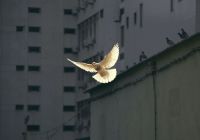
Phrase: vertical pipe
x=154 y=73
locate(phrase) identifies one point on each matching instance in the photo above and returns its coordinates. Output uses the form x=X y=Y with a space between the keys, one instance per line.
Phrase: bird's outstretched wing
x=111 y=58
x=84 y=66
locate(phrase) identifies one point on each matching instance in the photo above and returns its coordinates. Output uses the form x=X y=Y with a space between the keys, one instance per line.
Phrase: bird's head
x=93 y=63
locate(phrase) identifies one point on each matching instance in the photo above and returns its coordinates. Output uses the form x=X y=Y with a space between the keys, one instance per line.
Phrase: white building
x=36 y=82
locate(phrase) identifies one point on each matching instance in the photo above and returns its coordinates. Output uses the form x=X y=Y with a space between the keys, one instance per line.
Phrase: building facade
x=37 y=85
x=36 y=37
x=154 y=100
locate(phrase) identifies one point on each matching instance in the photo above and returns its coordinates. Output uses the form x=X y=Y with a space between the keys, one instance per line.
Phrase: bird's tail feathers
x=108 y=77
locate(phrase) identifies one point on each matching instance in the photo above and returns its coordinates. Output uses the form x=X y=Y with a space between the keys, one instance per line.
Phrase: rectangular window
x=141 y=14
x=34 y=49
x=69 y=69
x=101 y=13
x=68 y=108
x=19 y=28
x=121 y=56
x=33 y=127
x=171 y=5
x=122 y=35
x=34 y=29
x=69 y=89
x=19 y=107
x=33 y=107
x=34 y=10
x=33 y=88
x=127 y=22
x=69 y=31
x=68 y=128
x=135 y=18
x=33 y=68
x=68 y=50
x=67 y=11
x=19 y=68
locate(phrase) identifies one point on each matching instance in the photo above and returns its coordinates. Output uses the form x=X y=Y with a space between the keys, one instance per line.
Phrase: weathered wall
x=133 y=112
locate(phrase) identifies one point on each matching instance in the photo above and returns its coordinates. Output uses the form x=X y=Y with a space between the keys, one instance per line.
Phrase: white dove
x=102 y=69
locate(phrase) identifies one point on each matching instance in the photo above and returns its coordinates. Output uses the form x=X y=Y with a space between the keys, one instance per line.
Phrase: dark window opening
x=33 y=128
x=34 y=10
x=68 y=50
x=69 y=31
x=122 y=36
x=68 y=128
x=69 y=69
x=19 y=107
x=121 y=56
x=101 y=13
x=135 y=18
x=141 y=14
x=68 y=108
x=171 y=5
x=34 y=49
x=127 y=22
x=67 y=11
x=34 y=29
x=19 y=68
x=19 y=28
x=34 y=88
x=69 y=89
x=33 y=107
x=33 y=68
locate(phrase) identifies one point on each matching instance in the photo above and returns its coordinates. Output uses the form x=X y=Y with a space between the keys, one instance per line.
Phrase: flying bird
x=104 y=73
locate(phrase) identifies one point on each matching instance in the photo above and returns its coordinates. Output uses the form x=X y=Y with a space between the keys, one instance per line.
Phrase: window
x=34 y=49
x=122 y=35
x=68 y=50
x=19 y=68
x=34 y=29
x=101 y=13
x=141 y=14
x=33 y=128
x=34 y=10
x=171 y=5
x=69 y=31
x=19 y=107
x=19 y=28
x=127 y=22
x=67 y=11
x=33 y=107
x=121 y=13
x=33 y=88
x=68 y=108
x=69 y=69
x=135 y=18
x=121 y=56
x=33 y=68
x=69 y=89
x=68 y=128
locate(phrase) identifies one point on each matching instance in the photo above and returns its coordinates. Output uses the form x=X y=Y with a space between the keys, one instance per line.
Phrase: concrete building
x=157 y=99
x=142 y=27
x=37 y=85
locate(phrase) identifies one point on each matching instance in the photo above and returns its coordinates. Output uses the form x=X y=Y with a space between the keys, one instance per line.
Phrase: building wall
x=51 y=77
x=139 y=105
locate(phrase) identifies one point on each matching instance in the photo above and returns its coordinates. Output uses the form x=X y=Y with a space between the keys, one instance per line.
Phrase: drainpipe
x=154 y=74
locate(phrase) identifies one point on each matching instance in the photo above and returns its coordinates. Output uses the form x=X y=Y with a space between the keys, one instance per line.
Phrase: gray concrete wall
x=128 y=108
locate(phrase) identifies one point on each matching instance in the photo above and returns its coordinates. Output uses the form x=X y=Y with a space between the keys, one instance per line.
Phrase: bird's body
x=102 y=69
